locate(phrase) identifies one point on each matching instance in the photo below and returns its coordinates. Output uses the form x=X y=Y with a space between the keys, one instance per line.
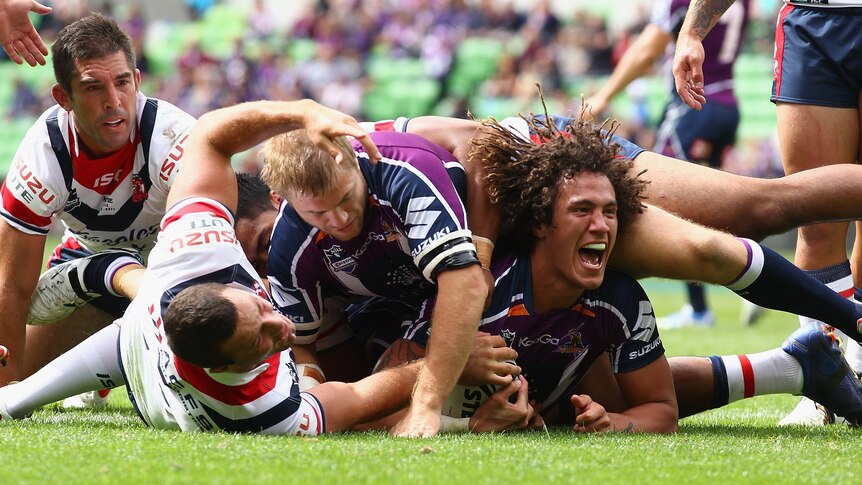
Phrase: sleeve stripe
x=199 y=204
x=429 y=269
x=18 y=224
x=462 y=233
x=24 y=216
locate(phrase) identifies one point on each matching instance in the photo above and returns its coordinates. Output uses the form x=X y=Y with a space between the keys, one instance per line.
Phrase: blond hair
x=293 y=163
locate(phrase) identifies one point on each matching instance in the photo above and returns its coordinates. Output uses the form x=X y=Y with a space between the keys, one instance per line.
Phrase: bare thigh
x=47 y=342
x=809 y=137
x=657 y=243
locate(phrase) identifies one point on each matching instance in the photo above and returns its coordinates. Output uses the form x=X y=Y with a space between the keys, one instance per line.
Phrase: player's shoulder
x=169 y=124
x=290 y=236
x=619 y=282
x=619 y=291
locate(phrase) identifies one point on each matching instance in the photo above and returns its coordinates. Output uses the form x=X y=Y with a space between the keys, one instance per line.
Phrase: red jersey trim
x=20 y=211
x=230 y=395
x=193 y=207
x=779 y=47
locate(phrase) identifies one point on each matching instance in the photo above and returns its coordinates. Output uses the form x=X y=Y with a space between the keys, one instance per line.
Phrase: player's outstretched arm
x=17 y=33
x=372 y=398
x=460 y=296
x=20 y=261
x=636 y=62
x=651 y=399
x=224 y=132
x=702 y=15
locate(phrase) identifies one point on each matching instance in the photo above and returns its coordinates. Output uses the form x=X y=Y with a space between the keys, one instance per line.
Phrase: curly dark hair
x=524 y=177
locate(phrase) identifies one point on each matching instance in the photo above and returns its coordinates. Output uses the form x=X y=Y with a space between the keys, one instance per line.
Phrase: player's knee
x=717 y=255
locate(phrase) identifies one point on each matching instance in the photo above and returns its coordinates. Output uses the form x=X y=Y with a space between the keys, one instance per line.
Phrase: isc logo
x=107 y=179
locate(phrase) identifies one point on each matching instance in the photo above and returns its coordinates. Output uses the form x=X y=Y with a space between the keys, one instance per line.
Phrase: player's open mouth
x=114 y=124
x=593 y=254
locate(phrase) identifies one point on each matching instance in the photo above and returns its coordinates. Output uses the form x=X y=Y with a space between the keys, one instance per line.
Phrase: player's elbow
x=667 y=417
x=475 y=288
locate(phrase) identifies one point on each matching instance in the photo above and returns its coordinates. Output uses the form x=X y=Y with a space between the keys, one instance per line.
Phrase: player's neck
x=550 y=290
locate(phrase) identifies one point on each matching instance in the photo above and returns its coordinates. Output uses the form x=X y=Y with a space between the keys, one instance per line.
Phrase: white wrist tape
x=310 y=375
x=449 y=424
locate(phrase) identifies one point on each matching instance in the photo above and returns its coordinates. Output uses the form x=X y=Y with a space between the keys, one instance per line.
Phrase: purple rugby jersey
x=415 y=226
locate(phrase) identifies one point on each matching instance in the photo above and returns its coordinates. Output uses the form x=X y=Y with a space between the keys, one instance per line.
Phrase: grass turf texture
x=738 y=443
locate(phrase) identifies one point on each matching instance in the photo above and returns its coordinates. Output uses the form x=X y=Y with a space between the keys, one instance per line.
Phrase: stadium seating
x=476 y=59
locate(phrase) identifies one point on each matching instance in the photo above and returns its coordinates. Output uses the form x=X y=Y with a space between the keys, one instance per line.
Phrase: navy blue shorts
x=699 y=136
x=69 y=250
x=818 y=56
x=628 y=150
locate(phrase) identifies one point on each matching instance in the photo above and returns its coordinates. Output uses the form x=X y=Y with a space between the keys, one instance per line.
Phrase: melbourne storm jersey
x=197 y=244
x=414 y=227
x=555 y=349
x=721 y=46
x=115 y=201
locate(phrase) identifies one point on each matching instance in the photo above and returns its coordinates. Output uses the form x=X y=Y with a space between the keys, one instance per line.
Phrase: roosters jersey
x=115 y=201
x=721 y=46
x=414 y=227
x=197 y=244
x=555 y=349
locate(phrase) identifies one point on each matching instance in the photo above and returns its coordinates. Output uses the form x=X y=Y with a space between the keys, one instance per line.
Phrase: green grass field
x=739 y=443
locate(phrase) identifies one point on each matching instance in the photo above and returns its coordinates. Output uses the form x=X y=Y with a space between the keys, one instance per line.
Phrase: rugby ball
x=465 y=400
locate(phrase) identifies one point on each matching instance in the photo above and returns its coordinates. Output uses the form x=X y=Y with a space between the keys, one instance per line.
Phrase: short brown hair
x=199 y=320
x=91 y=37
x=292 y=162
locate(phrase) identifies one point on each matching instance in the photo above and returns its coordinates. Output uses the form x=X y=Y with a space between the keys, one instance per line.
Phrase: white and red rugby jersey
x=197 y=244
x=115 y=201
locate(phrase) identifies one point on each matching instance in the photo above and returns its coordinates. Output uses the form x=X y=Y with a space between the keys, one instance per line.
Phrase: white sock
x=844 y=287
x=91 y=365
x=771 y=372
x=120 y=262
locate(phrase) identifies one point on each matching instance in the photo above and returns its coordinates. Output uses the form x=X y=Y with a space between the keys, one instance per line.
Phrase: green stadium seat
x=384 y=69
x=10 y=137
x=476 y=59
x=301 y=50
x=165 y=46
x=401 y=97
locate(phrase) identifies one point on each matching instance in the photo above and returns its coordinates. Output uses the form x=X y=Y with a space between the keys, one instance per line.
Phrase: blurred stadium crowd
x=379 y=59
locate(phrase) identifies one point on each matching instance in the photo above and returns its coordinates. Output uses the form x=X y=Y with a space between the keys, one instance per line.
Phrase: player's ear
x=137 y=80
x=539 y=232
x=275 y=199
x=61 y=97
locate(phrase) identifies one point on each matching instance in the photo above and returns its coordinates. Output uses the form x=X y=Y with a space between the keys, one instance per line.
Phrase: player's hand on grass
x=590 y=416
x=688 y=70
x=418 y=422
x=17 y=33
x=498 y=413
x=490 y=362
x=324 y=124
